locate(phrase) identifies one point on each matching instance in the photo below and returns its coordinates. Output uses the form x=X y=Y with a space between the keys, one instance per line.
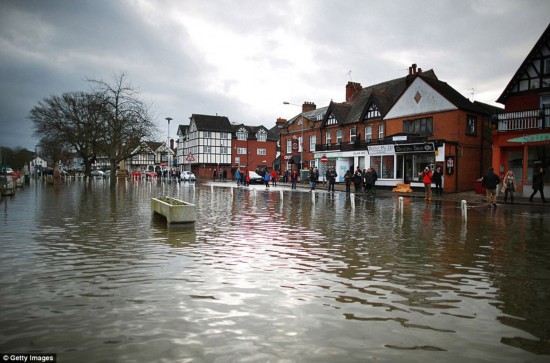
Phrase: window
x=300 y=144
x=241 y=150
x=422 y=126
x=373 y=112
x=261 y=152
x=207 y=149
x=384 y=166
x=224 y=150
x=207 y=134
x=327 y=137
x=381 y=131
x=547 y=66
x=289 y=146
x=224 y=135
x=471 y=125
x=339 y=136
x=242 y=135
x=312 y=142
x=261 y=136
x=368 y=133
x=331 y=120
x=352 y=134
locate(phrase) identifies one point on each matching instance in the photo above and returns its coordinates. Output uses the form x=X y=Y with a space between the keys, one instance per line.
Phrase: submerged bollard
x=313 y=197
x=352 y=197
x=212 y=188
x=281 y=194
x=464 y=209
x=401 y=204
x=231 y=190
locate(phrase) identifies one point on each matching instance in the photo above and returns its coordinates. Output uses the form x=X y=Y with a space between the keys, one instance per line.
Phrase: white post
x=464 y=208
x=401 y=204
x=281 y=194
x=231 y=190
x=212 y=188
x=352 y=197
x=313 y=197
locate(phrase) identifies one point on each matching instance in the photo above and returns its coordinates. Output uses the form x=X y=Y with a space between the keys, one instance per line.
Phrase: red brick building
x=522 y=137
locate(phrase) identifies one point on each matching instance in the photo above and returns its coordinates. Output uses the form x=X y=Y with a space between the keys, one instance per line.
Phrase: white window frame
x=327 y=137
x=289 y=146
x=339 y=134
x=242 y=135
x=368 y=133
x=381 y=131
x=241 y=150
x=261 y=151
x=312 y=142
x=352 y=134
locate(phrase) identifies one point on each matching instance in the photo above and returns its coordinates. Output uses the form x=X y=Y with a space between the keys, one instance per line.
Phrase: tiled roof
x=211 y=123
x=452 y=95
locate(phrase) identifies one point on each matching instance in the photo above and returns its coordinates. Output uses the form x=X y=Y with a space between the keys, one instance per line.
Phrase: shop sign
x=381 y=149
x=427 y=147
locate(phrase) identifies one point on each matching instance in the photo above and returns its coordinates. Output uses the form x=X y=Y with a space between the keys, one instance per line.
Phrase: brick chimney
x=352 y=90
x=413 y=70
x=280 y=122
x=308 y=106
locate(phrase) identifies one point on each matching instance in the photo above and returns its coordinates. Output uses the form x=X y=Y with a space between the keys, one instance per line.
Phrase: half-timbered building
x=521 y=140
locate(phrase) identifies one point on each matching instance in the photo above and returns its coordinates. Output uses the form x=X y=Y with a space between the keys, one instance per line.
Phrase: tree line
x=109 y=121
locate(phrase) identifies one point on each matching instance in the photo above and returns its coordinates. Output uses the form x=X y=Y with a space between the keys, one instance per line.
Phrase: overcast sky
x=242 y=59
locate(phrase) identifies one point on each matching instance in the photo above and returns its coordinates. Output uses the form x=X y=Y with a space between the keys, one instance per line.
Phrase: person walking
x=509 y=186
x=238 y=176
x=427 y=180
x=370 y=178
x=538 y=184
x=347 y=179
x=490 y=182
x=267 y=178
x=331 y=176
x=437 y=178
x=312 y=178
x=293 y=179
x=274 y=177
x=357 y=177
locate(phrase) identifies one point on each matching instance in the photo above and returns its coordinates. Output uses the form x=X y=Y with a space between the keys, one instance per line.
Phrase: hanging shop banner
x=427 y=147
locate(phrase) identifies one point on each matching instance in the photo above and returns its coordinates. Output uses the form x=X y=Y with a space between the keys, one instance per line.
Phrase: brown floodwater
x=269 y=276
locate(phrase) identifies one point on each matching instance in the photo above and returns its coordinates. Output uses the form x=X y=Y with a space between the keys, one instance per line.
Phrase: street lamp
x=168 y=145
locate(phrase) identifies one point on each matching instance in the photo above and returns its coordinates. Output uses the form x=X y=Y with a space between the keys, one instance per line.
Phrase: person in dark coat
x=331 y=176
x=437 y=179
x=357 y=177
x=538 y=184
x=490 y=182
x=347 y=179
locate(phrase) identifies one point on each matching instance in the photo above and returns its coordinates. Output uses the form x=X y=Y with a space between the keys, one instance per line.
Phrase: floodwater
x=88 y=273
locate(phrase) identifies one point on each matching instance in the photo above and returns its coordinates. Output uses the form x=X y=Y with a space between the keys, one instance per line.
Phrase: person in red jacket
x=274 y=177
x=427 y=180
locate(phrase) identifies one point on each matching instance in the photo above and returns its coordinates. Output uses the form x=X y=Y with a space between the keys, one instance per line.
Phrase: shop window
x=387 y=167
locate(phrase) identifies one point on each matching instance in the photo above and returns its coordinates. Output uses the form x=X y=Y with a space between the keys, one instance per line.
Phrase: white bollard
x=212 y=188
x=464 y=209
x=401 y=204
x=281 y=194
x=313 y=197
x=352 y=197
x=231 y=190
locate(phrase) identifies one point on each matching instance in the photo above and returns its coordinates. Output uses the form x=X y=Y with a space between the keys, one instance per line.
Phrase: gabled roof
x=211 y=123
x=543 y=40
x=383 y=95
x=182 y=129
x=339 y=110
x=253 y=130
x=313 y=115
x=153 y=145
x=452 y=95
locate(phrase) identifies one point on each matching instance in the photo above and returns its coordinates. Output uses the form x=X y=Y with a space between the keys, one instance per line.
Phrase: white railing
x=522 y=120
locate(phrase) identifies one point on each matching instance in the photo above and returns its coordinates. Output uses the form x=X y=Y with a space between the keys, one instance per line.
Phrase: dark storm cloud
x=264 y=53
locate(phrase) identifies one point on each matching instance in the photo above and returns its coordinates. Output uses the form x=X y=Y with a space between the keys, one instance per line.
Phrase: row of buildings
x=397 y=127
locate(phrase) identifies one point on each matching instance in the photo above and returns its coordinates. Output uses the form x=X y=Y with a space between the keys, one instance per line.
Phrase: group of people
x=365 y=180
x=491 y=182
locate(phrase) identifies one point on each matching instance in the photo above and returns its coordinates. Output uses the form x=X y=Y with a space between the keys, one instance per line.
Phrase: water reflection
x=269 y=276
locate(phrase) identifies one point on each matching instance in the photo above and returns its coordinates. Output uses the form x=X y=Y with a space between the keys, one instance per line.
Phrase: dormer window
x=261 y=135
x=373 y=112
x=331 y=120
x=242 y=135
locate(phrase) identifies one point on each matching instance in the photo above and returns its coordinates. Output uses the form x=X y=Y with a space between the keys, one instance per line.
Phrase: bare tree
x=126 y=120
x=72 y=120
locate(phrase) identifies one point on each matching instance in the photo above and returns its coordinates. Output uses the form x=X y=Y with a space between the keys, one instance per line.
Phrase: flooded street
x=89 y=274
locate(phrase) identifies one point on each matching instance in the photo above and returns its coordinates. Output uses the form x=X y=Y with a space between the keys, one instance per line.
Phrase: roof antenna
x=472 y=92
x=349 y=75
